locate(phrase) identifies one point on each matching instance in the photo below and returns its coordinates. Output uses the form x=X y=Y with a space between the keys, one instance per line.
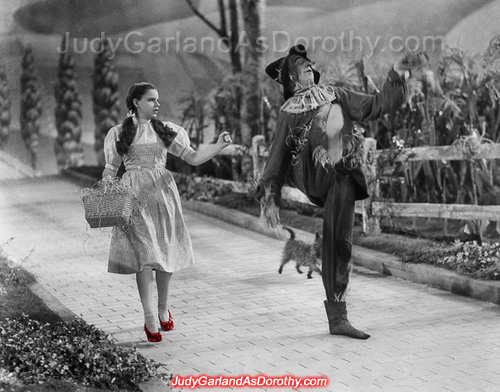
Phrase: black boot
x=338 y=323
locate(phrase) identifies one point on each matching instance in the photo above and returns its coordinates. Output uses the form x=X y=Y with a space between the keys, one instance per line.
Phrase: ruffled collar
x=309 y=98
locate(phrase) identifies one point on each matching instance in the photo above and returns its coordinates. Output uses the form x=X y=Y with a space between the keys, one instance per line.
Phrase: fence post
x=259 y=155
x=371 y=224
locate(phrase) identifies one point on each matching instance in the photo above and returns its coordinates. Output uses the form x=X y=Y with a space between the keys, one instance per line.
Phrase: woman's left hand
x=224 y=139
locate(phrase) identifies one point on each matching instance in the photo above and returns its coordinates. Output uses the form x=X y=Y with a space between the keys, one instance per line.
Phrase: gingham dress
x=157 y=237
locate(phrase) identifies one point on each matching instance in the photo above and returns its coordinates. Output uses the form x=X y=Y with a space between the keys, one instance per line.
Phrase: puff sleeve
x=181 y=145
x=112 y=158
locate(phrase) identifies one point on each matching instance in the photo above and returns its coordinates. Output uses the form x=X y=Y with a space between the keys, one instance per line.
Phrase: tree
x=252 y=11
x=245 y=44
x=4 y=108
x=68 y=114
x=31 y=108
x=106 y=98
x=230 y=40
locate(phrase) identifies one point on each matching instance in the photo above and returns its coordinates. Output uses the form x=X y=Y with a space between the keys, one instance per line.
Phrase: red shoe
x=167 y=325
x=152 y=337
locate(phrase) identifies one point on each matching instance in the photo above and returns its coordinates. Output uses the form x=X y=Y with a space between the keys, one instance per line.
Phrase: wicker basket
x=108 y=209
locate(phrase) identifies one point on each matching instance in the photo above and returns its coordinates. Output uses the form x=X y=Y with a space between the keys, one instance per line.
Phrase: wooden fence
x=373 y=208
x=378 y=208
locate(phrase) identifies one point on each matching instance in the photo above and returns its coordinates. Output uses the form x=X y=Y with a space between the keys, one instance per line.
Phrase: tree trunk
x=231 y=40
x=236 y=65
x=253 y=11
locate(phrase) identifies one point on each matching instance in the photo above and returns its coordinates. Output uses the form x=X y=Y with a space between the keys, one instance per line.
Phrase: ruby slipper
x=167 y=325
x=152 y=337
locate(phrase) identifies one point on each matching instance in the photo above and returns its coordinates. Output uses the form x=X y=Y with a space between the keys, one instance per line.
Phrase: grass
x=15 y=296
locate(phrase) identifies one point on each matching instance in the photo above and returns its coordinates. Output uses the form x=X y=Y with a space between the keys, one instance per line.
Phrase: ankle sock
x=163 y=312
x=151 y=322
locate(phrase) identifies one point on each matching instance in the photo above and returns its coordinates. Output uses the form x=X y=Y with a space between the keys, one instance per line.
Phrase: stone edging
x=52 y=302
x=371 y=259
x=18 y=165
x=437 y=277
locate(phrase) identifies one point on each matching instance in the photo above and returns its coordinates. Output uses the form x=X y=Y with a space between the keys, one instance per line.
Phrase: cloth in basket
x=108 y=203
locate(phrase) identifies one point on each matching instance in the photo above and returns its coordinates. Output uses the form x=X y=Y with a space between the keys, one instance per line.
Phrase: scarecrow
x=317 y=150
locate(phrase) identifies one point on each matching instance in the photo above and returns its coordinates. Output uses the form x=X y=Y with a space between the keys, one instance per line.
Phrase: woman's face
x=148 y=106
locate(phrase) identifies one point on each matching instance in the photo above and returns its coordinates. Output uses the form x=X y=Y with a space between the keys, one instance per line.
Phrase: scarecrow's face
x=303 y=72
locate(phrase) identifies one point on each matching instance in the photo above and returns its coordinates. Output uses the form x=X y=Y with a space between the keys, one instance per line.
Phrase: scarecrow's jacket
x=291 y=161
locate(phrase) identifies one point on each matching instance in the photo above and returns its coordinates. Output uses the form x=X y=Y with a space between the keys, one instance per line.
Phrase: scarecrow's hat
x=275 y=68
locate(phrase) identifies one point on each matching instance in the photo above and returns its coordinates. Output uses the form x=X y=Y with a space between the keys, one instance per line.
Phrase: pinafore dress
x=157 y=236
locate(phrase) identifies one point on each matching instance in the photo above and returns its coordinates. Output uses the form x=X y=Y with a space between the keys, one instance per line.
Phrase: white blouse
x=180 y=146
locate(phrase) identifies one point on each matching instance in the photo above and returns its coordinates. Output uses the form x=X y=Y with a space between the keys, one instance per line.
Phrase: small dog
x=304 y=254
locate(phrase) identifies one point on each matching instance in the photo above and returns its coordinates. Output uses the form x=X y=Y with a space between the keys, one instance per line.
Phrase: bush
x=200 y=188
x=73 y=351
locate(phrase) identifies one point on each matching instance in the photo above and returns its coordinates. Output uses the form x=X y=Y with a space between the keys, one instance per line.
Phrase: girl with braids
x=157 y=242
x=316 y=149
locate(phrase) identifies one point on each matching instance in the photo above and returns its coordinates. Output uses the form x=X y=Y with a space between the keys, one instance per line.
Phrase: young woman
x=157 y=243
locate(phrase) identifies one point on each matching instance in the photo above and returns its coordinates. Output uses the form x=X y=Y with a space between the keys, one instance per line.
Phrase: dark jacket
x=296 y=167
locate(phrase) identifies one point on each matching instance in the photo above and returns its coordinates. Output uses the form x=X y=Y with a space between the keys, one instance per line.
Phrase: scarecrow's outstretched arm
x=364 y=107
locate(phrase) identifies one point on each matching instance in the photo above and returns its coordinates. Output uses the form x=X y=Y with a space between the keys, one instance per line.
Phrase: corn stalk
x=4 y=108
x=193 y=118
x=68 y=114
x=31 y=107
x=106 y=99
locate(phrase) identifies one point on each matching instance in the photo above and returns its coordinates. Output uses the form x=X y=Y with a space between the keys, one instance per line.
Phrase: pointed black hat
x=274 y=69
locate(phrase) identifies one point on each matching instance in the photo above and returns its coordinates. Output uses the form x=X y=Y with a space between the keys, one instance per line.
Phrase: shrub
x=200 y=188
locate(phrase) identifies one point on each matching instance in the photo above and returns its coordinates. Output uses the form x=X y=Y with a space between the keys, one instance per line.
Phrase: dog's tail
x=292 y=233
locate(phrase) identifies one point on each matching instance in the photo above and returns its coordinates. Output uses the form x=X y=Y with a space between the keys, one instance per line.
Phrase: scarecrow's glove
x=410 y=61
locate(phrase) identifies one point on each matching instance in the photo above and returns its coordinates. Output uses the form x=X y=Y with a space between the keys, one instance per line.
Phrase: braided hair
x=129 y=129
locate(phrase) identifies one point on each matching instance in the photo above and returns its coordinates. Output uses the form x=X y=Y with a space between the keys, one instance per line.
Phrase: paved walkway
x=235 y=315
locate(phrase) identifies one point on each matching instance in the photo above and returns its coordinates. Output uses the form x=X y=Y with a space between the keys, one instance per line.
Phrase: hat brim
x=273 y=69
